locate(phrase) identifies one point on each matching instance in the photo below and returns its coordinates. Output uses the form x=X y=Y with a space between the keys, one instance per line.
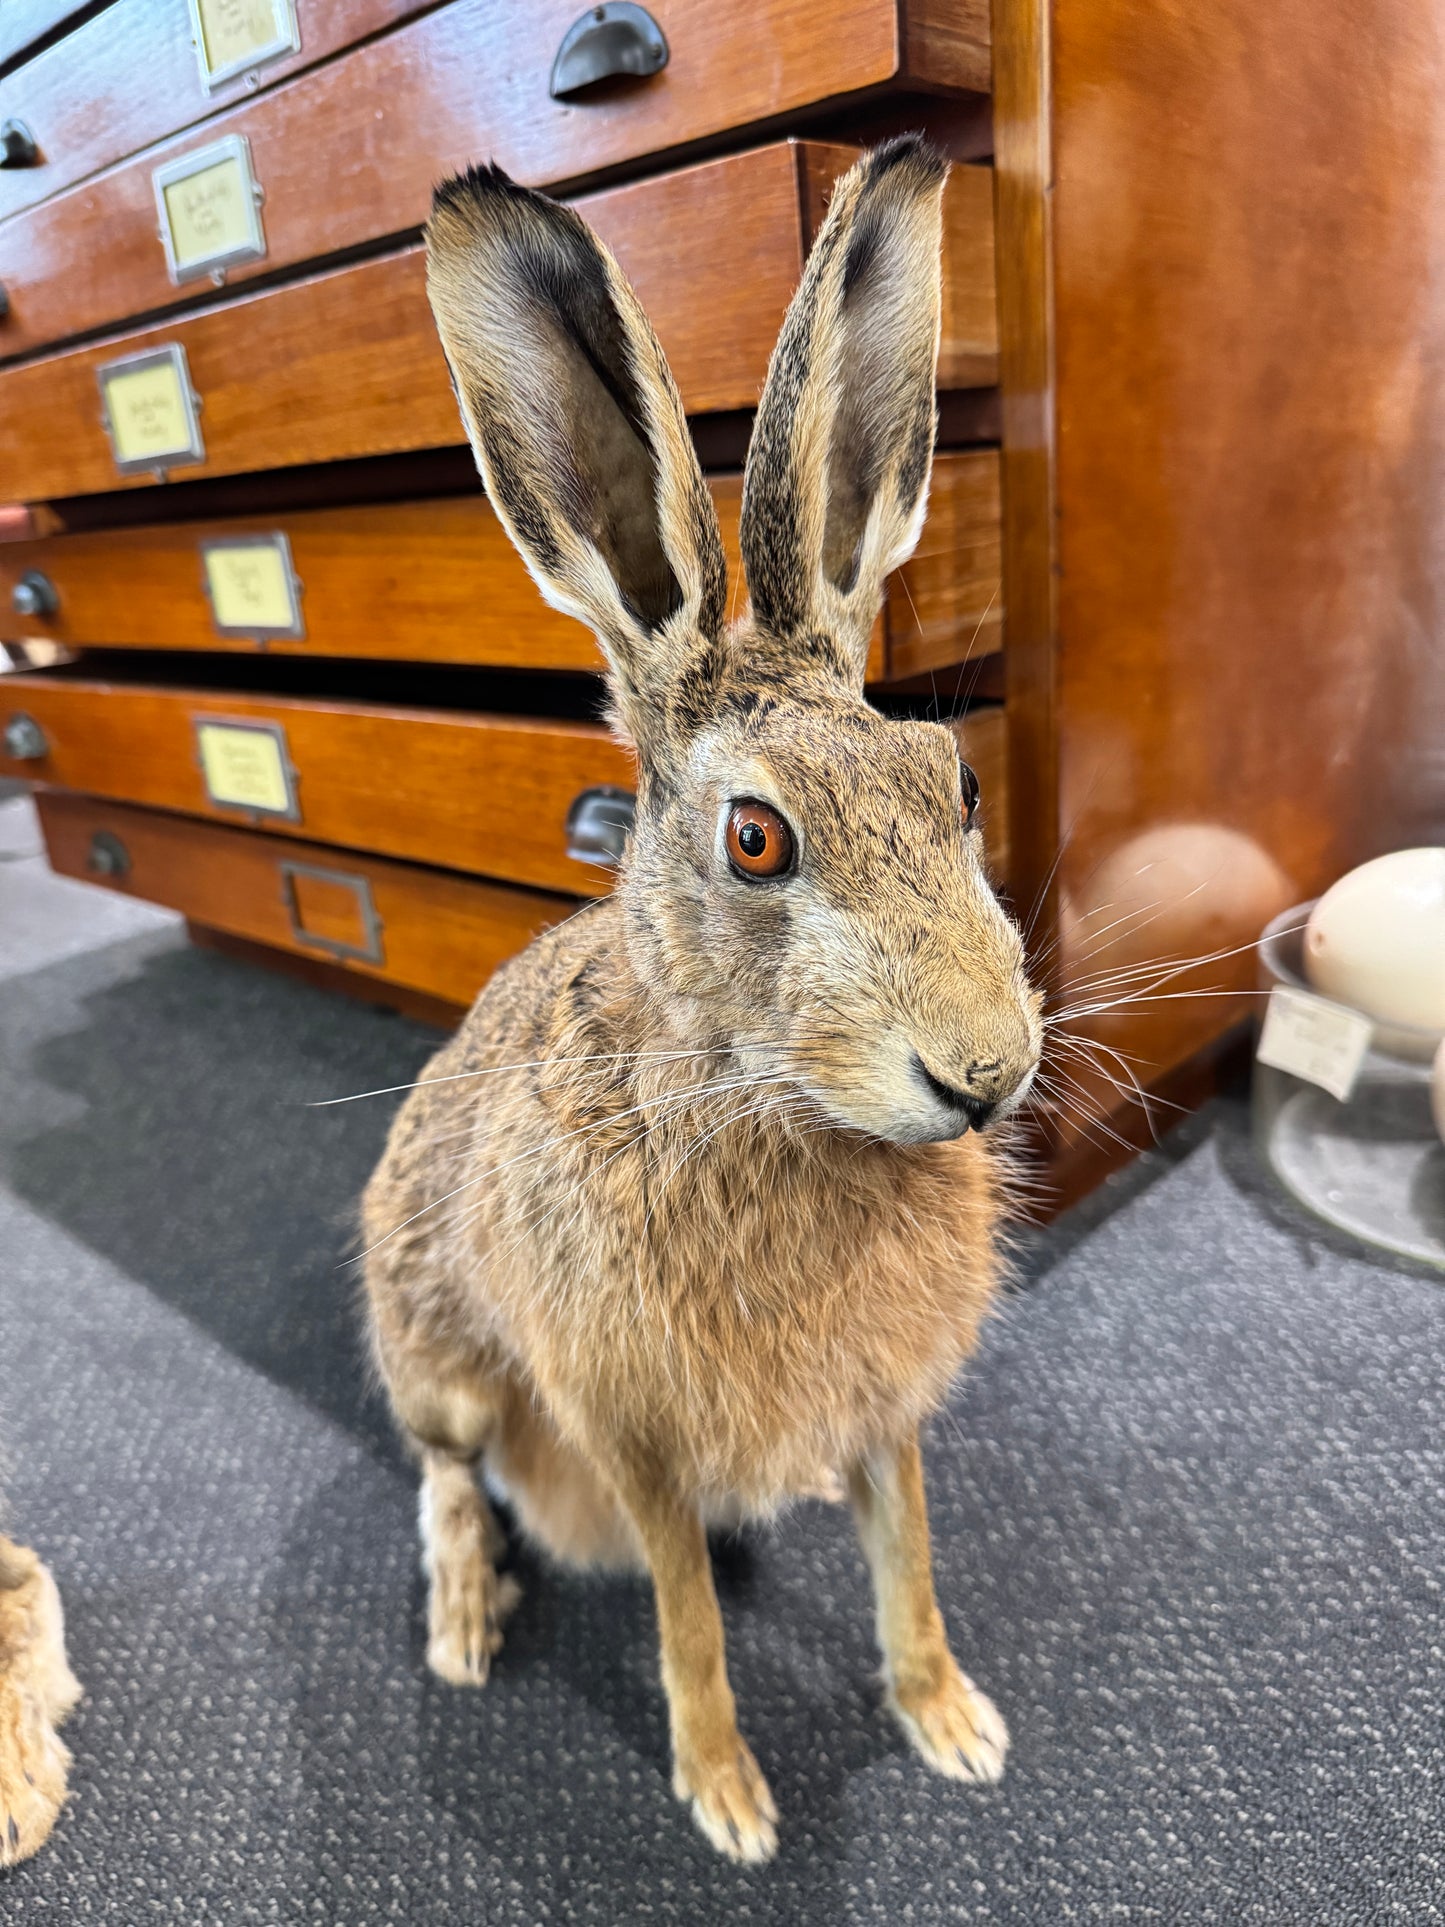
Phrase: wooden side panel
x=1251 y=460
x=130 y=76
x=438 y=581
x=442 y=935
x=1023 y=186
x=485 y=794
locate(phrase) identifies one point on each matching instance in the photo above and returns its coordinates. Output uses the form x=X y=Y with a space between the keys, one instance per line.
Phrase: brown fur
x=37 y=1690
x=685 y=1213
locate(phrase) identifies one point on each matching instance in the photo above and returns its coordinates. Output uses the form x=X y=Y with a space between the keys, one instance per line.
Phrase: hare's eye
x=969 y=783
x=760 y=844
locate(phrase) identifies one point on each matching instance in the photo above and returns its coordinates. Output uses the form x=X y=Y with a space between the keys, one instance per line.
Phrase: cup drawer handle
x=598 y=825
x=17 y=145
x=607 y=41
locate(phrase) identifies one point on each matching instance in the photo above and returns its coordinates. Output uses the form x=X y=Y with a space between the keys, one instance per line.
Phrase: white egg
x=1376 y=941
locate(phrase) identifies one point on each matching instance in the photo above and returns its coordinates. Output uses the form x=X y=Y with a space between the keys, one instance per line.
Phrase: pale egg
x=1376 y=941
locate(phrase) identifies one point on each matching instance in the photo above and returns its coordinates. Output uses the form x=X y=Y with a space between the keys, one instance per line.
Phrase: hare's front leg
x=712 y=1766
x=955 y=1728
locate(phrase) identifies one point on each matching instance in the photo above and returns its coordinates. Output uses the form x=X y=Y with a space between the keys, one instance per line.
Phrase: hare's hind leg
x=468 y=1600
x=956 y=1728
x=448 y=1409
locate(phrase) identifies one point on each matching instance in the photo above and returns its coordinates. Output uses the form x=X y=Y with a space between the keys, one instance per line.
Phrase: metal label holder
x=193 y=449
x=254 y=812
x=370 y=949
x=287 y=40
x=236 y=149
x=259 y=632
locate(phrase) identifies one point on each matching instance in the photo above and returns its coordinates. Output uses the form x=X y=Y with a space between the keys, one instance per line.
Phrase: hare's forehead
x=844 y=766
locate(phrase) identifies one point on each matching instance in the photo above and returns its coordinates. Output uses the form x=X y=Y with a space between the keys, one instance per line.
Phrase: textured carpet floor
x=1187 y=1509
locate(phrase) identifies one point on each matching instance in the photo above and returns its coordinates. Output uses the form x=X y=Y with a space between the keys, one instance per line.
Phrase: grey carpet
x=1187 y=1509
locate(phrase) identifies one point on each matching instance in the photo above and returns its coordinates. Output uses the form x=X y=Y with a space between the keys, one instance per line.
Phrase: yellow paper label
x=235 y=31
x=244 y=768
x=147 y=409
x=251 y=586
x=210 y=213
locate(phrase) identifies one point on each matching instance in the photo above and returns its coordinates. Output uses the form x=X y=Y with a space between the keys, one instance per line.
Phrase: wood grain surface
x=348 y=154
x=347 y=363
x=486 y=794
x=1250 y=367
x=129 y=76
x=439 y=581
x=442 y=935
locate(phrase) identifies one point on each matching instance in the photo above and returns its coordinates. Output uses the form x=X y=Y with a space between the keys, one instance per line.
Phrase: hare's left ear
x=837 y=475
x=579 y=433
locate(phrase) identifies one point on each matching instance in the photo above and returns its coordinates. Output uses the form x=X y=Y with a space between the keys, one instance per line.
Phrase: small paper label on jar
x=1312 y=1038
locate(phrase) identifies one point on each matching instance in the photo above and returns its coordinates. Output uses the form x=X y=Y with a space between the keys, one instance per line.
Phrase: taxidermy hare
x=37 y=1690
x=689 y=1210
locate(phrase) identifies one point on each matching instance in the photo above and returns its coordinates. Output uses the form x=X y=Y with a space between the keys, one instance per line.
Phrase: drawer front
x=23 y=22
x=349 y=153
x=484 y=794
x=395 y=922
x=348 y=363
x=130 y=76
x=439 y=582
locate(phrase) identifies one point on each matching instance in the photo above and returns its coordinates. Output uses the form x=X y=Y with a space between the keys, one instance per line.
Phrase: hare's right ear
x=579 y=433
x=837 y=477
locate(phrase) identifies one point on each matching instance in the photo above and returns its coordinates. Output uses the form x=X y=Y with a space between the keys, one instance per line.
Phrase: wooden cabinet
x=1177 y=583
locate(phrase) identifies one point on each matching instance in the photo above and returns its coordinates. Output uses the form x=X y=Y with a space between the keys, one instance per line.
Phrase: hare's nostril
x=974 y=1109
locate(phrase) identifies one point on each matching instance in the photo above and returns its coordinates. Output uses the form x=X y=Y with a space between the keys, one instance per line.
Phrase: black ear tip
x=924 y=163
x=476 y=187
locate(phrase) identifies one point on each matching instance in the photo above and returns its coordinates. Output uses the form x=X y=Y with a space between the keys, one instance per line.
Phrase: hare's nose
x=975 y=1109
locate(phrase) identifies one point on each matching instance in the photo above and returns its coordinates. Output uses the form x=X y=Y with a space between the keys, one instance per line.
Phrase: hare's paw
x=732 y=1804
x=32 y=1781
x=957 y=1729
x=468 y=1607
x=468 y=1601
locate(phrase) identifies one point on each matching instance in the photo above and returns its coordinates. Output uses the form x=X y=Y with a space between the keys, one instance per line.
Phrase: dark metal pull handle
x=34 y=595
x=108 y=855
x=17 y=145
x=617 y=38
x=598 y=825
x=24 y=738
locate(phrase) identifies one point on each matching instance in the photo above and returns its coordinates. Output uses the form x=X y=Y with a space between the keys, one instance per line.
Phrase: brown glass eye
x=969 y=784
x=760 y=844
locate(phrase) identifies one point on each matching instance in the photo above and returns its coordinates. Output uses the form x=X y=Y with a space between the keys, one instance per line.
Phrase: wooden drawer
x=350 y=152
x=23 y=22
x=438 y=581
x=347 y=363
x=130 y=76
x=482 y=793
x=397 y=923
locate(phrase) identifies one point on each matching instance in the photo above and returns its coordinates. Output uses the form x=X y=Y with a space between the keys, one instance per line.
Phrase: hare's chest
x=776 y=1347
